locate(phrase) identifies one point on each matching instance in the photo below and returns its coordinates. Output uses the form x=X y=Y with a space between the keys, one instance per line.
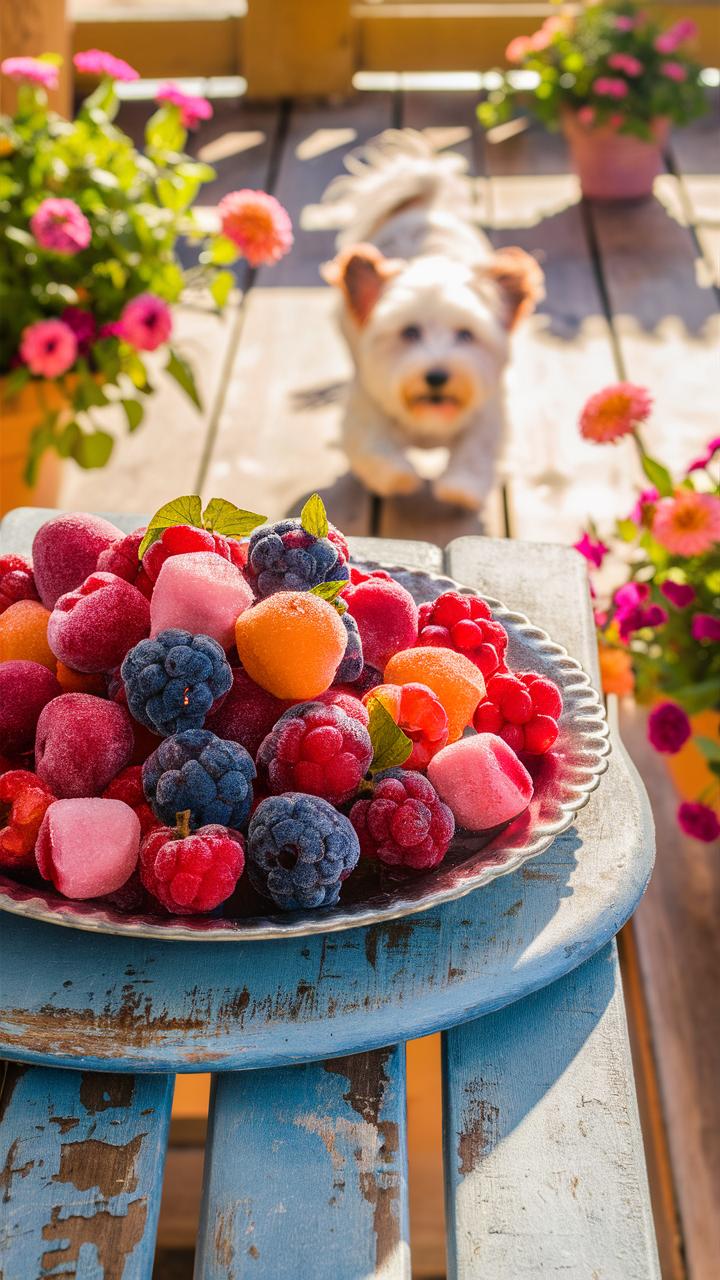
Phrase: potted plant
x=614 y=80
x=659 y=621
x=90 y=268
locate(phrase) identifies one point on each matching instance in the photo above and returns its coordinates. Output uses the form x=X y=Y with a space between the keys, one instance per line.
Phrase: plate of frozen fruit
x=216 y=727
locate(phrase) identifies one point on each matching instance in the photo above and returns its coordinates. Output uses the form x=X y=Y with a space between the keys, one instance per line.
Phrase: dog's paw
x=386 y=478
x=456 y=492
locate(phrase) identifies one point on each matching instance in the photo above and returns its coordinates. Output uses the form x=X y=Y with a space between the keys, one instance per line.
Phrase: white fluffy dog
x=428 y=310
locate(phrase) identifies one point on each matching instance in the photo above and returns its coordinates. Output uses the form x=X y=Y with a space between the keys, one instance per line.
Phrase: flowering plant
x=90 y=268
x=610 y=63
x=659 y=625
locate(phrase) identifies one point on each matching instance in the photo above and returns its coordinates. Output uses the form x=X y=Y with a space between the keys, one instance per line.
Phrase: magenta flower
x=671 y=40
x=642 y=512
x=680 y=594
x=113 y=329
x=610 y=87
x=96 y=62
x=258 y=224
x=146 y=322
x=705 y=627
x=673 y=71
x=34 y=70
x=626 y=63
x=60 y=226
x=625 y=23
x=668 y=728
x=48 y=348
x=192 y=108
x=631 y=611
x=706 y=458
x=699 y=821
x=594 y=552
x=82 y=324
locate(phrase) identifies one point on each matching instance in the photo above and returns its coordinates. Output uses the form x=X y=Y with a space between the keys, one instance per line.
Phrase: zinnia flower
x=96 y=62
x=60 y=226
x=644 y=508
x=699 y=821
x=706 y=458
x=668 y=728
x=632 y=613
x=34 y=70
x=192 y=108
x=146 y=322
x=586 y=115
x=705 y=627
x=688 y=524
x=624 y=23
x=610 y=87
x=673 y=71
x=680 y=594
x=671 y=39
x=48 y=348
x=518 y=49
x=614 y=412
x=594 y=552
x=258 y=224
x=625 y=62
x=616 y=671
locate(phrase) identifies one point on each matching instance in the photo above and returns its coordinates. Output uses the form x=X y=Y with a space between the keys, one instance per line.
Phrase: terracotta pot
x=18 y=418
x=612 y=165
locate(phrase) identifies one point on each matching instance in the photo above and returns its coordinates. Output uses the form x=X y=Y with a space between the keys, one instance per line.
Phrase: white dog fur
x=428 y=308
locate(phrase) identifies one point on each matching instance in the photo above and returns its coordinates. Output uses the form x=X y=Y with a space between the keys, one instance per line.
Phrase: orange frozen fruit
x=453 y=677
x=23 y=634
x=291 y=644
x=79 y=682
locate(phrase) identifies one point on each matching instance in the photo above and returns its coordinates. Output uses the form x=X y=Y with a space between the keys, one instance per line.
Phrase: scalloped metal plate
x=564 y=782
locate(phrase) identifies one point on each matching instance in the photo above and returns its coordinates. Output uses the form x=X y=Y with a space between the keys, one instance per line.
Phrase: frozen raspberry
x=348 y=701
x=180 y=539
x=128 y=787
x=521 y=709
x=405 y=823
x=190 y=874
x=464 y=623
x=16 y=581
x=300 y=850
x=359 y=575
x=284 y=557
x=351 y=667
x=93 y=627
x=317 y=749
x=122 y=560
x=172 y=681
x=23 y=801
x=421 y=716
x=386 y=615
x=198 y=772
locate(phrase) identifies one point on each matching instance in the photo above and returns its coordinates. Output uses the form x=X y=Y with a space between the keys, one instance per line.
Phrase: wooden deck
x=632 y=292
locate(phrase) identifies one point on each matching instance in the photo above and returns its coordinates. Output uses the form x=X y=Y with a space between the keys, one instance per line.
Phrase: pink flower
x=594 y=552
x=258 y=224
x=113 y=329
x=82 y=324
x=688 y=524
x=680 y=594
x=627 y=63
x=146 y=322
x=96 y=62
x=673 y=71
x=668 y=728
x=192 y=108
x=586 y=115
x=614 y=412
x=60 y=226
x=631 y=612
x=706 y=458
x=625 y=23
x=33 y=70
x=705 y=627
x=616 y=120
x=671 y=40
x=518 y=49
x=698 y=821
x=609 y=87
x=644 y=508
x=48 y=348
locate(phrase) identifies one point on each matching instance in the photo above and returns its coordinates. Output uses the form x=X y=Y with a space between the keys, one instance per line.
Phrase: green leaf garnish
x=313 y=517
x=330 y=591
x=185 y=510
x=221 y=516
x=391 y=747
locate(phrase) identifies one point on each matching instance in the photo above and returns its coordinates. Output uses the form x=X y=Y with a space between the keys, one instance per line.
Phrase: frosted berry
x=317 y=749
x=351 y=667
x=23 y=802
x=173 y=681
x=386 y=615
x=128 y=787
x=521 y=709
x=421 y=716
x=247 y=714
x=192 y=873
x=464 y=623
x=199 y=772
x=16 y=581
x=300 y=849
x=284 y=557
x=404 y=823
x=180 y=539
x=92 y=627
x=122 y=559
x=348 y=701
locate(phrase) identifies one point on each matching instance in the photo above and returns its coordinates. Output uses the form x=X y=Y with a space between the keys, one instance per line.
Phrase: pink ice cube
x=199 y=592
x=88 y=847
x=482 y=781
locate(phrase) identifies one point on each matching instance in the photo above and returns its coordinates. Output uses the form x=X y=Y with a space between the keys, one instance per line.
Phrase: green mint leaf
x=330 y=591
x=185 y=510
x=391 y=747
x=221 y=516
x=658 y=475
x=313 y=517
x=180 y=370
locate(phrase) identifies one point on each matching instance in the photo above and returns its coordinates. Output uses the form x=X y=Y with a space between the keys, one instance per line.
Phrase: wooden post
x=27 y=29
x=298 y=50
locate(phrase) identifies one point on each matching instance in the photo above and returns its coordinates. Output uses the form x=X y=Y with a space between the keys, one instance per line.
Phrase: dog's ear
x=362 y=273
x=519 y=279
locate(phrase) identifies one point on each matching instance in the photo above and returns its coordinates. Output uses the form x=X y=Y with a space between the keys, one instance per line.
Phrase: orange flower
x=614 y=412
x=688 y=524
x=258 y=224
x=616 y=671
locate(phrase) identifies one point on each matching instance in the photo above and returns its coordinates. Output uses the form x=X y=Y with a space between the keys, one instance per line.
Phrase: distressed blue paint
x=81 y=1161
x=306 y=1173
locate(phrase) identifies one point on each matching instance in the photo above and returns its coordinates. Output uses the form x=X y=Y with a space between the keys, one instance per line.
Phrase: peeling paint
x=113 y=1169
x=114 y=1236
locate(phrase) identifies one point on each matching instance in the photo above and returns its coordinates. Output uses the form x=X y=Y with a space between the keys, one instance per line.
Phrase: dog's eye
x=411 y=333
x=465 y=335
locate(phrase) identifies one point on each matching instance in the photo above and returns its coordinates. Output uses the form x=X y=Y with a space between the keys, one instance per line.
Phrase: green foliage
x=219 y=516
x=391 y=747
x=313 y=517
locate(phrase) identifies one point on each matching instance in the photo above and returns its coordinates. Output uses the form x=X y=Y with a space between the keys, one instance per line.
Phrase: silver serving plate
x=564 y=781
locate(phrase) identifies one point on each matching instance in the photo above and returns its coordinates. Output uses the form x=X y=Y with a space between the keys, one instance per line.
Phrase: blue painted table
x=306 y=1165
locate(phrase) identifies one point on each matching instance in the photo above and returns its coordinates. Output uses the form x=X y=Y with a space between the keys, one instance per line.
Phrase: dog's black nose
x=436 y=377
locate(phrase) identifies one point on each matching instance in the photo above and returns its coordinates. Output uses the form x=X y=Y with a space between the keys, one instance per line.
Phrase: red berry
x=450 y=608
x=122 y=559
x=526 y=709
x=487 y=718
x=194 y=873
x=514 y=735
x=128 y=787
x=405 y=823
x=546 y=698
x=421 y=716
x=464 y=623
x=347 y=700
x=316 y=748
x=183 y=538
x=466 y=634
x=16 y=581
x=540 y=735
x=23 y=802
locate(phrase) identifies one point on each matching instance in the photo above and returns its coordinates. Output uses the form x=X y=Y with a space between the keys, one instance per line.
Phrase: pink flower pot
x=613 y=165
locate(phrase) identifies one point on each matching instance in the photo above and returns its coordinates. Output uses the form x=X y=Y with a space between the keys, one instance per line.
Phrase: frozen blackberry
x=173 y=681
x=300 y=849
x=285 y=557
x=199 y=772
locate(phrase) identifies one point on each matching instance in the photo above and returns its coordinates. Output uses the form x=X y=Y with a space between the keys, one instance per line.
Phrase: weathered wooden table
x=306 y=1165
